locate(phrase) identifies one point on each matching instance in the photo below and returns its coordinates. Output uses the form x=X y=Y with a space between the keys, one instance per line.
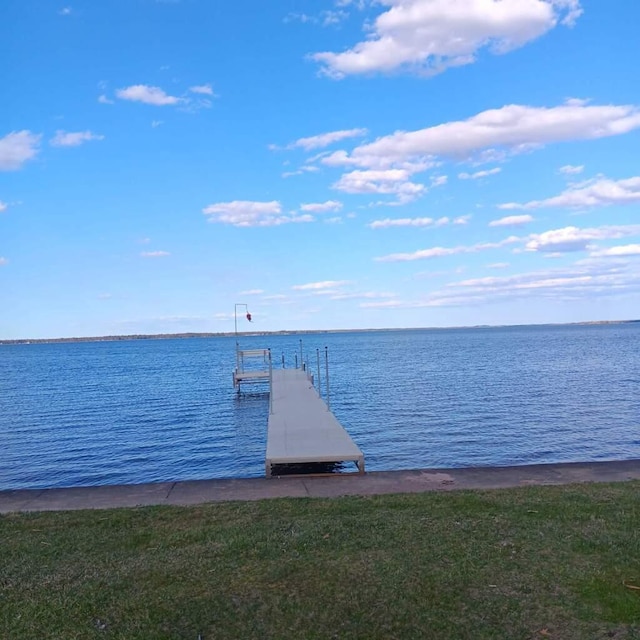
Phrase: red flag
x=248 y=316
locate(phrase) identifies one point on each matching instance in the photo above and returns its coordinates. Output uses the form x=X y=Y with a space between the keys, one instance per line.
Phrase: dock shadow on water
x=308 y=468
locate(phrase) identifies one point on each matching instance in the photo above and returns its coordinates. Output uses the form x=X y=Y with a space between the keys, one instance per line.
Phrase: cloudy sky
x=329 y=163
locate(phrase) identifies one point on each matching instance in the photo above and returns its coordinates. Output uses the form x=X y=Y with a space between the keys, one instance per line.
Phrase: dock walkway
x=301 y=428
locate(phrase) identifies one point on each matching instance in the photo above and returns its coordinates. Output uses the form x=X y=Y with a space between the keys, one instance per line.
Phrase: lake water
x=96 y=413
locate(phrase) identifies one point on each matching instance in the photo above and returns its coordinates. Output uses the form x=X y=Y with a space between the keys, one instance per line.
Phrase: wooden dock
x=301 y=427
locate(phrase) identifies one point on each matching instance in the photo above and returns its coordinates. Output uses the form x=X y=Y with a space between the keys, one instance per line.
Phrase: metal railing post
x=318 y=358
x=326 y=361
x=301 y=358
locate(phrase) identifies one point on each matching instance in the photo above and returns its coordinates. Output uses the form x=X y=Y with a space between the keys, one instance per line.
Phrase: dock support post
x=301 y=358
x=326 y=362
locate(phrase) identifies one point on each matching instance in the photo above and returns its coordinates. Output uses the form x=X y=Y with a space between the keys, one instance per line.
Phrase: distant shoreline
x=228 y=334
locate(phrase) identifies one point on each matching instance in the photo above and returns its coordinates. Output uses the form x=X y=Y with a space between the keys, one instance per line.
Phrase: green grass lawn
x=533 y=562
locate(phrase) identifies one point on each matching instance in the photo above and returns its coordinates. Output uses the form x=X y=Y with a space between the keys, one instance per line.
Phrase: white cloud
x=327 y=18
x=245 y=213
x=3 y=261
x=18 y=147
x=251 y=292
x=570 y=239
x=321 y=207
x=156 y=123
x=65 y=11
x=330 y=18
x=571 y=170
x=3 y=206
x=583 y=281
x=498 y=265
x=300 y=171
x=462 y=220
x=512 y=128
x=386 y=304
x=104 y=100
x=429 y=36
x=579 y=281
x=479 y=174
x=511 y=221
x=364 y=295
x=598 y=192
x=321 y=286
x=203 y=89
x=154 y=254
x=148 y=95
x=552 y=242
x=73 y=139
x=619 y=251
x=440 y=252
x=325 y=139
x=276 y=296
x=387 y=181
x=402 y=222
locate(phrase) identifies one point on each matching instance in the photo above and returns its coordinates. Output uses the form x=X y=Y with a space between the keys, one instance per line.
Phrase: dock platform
x=301 y=428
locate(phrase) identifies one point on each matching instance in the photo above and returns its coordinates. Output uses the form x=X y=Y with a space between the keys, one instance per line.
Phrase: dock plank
x=301 y=428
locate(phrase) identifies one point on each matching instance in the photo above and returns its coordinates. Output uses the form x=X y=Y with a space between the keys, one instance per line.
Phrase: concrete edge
x=372 y=483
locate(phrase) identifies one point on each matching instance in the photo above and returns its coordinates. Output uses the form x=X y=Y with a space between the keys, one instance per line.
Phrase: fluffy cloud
x=429 y=36
x=440 y=252
x=387 y=181
x=321 y=286
x=246 y=213
x=364 y=295
x=323 y=140
x=409 y=222
x=579 y=281
x=511 y=221
x=148 y=95
x=593 y=193
x=203 y=89
x=567 y=239
x=75 y=139
x=3 y=261
x=510 y=129
x=18 y=147
x=479 y=174
x=251 y=292
x=618 y=252
x=3 y=206
x=155 y=254
x=574 y=239
x=321 y=207
x=571 y=170
x=102 y=99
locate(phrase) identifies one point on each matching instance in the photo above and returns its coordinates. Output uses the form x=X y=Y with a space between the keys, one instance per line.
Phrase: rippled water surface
x=94 y=413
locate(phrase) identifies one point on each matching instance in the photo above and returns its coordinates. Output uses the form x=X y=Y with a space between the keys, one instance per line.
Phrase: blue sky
x=330 y=163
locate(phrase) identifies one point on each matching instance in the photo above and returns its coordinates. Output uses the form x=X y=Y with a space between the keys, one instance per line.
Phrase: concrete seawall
x=377 y=482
